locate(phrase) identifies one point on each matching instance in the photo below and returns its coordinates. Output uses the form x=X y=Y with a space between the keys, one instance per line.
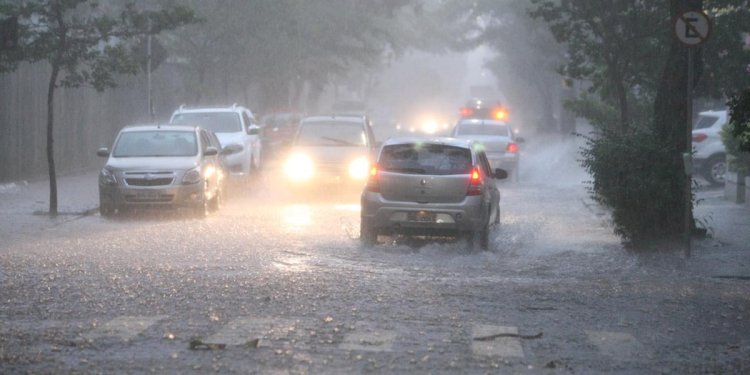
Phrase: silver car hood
x=332 y=155
x=153 y=163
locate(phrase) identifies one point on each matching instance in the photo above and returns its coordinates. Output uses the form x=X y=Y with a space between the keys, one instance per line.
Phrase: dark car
x=488 y=109
x=279 y=129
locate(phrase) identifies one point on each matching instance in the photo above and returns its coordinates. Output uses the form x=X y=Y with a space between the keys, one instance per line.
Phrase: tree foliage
x=276 y=47
x=84 y=44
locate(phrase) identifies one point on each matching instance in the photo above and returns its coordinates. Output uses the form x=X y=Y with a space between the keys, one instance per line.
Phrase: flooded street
x=276 y=283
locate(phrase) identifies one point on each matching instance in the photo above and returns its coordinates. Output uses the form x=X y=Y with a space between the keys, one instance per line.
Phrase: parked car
x=431 y=187
x=330 y=149
x=497 y=138
x=161 y=166
x=709 y=155
x=232 y=125
x=279 y=129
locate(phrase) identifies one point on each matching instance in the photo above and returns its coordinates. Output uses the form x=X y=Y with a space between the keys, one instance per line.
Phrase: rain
x=212 y=186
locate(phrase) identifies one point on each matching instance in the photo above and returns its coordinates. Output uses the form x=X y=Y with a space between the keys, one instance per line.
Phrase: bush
x=736 y=134
x=634 y=175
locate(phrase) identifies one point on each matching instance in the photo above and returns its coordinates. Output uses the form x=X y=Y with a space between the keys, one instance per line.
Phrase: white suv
x=709 y=155
x=234 y=125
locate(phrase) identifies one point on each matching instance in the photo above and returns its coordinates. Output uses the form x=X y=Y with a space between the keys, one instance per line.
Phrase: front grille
x=144 y=181
x=149 y=178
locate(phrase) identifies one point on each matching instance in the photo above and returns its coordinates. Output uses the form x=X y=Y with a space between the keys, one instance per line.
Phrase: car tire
x=714 y=170
x=216 y=203
x=200 y=210
x=367 y=234
x=106 y=210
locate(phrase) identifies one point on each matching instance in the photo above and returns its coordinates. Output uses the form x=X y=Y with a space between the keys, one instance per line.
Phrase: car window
x=481 y=128
x=704 y=121
x=247 y=119
x=331 y=134
x=217 y=122
x=156 y=144
x=205 y=140
x=484 y=164
x=420 y=158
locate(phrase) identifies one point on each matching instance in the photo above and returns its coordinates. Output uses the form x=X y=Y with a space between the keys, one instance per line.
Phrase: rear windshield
x=421 y=158
x=331 y=134
x=704 y=122
x=482 y=129
x=156 y=144
x=218 y=122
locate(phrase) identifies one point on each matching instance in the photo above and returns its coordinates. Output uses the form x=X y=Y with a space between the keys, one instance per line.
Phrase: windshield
x=156 y=143
x=419 y=158
x=218 y=122
x=482 y=129
x=336 y=133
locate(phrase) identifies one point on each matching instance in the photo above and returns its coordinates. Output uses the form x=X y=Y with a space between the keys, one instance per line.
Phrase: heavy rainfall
x=375 y=186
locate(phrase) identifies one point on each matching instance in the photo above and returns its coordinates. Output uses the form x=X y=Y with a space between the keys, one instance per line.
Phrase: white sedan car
x=497 y=138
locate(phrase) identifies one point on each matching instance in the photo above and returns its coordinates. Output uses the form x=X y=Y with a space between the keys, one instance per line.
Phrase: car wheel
x=479 y=237
x=367 y=234
x=106 y=209
x=200 y=210
x=216 y=202
x=716 y=167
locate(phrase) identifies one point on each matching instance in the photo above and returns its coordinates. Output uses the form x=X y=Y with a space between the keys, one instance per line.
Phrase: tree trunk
x=51 y=140
x=671 y=120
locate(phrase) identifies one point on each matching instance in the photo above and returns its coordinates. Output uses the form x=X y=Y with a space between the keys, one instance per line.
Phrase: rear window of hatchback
x=426 y=159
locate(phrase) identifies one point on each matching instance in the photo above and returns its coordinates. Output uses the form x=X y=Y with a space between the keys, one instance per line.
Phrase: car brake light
x=699 y=137
x=373 y=184
x=475 y=182
x=466 y=112
x=512 y=148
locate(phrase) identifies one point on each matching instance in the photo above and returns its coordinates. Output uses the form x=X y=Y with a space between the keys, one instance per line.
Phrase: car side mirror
x=253 y=130
x=103 y=152
x=500 y=174
x=210 y=151
x=233 y=148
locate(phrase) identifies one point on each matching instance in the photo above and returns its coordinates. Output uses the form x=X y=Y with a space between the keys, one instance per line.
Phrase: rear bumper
x=388 y=217
x=508 y=162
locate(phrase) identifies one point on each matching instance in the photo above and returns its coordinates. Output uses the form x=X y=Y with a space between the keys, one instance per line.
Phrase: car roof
x=448 y=141
x=713 y=113
x=159 y=127
x=209 y=109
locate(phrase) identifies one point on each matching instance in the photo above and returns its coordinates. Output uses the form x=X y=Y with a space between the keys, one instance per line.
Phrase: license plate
x=148 y=194
x=422 y=216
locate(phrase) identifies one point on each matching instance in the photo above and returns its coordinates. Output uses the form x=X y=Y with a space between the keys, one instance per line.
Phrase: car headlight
x=192 y=176
x=299 y=167
x=106 y=177
x=359 y=168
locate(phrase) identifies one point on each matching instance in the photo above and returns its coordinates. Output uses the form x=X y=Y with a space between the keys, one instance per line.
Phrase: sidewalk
x=24 y=205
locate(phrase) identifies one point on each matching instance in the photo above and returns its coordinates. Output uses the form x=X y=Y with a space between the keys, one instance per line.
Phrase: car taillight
x=475 y=182
x=373 y=184
x=512 y=147
x=500 y=114
x=466 y=112
x=699 y=137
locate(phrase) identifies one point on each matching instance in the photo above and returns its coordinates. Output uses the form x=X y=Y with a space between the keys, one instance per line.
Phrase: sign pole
x=688 y=177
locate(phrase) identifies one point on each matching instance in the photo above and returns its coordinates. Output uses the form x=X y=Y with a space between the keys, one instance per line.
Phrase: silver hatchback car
x=431 y=187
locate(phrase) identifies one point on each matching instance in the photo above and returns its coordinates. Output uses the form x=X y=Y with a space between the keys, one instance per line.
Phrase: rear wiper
x=408 y=170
